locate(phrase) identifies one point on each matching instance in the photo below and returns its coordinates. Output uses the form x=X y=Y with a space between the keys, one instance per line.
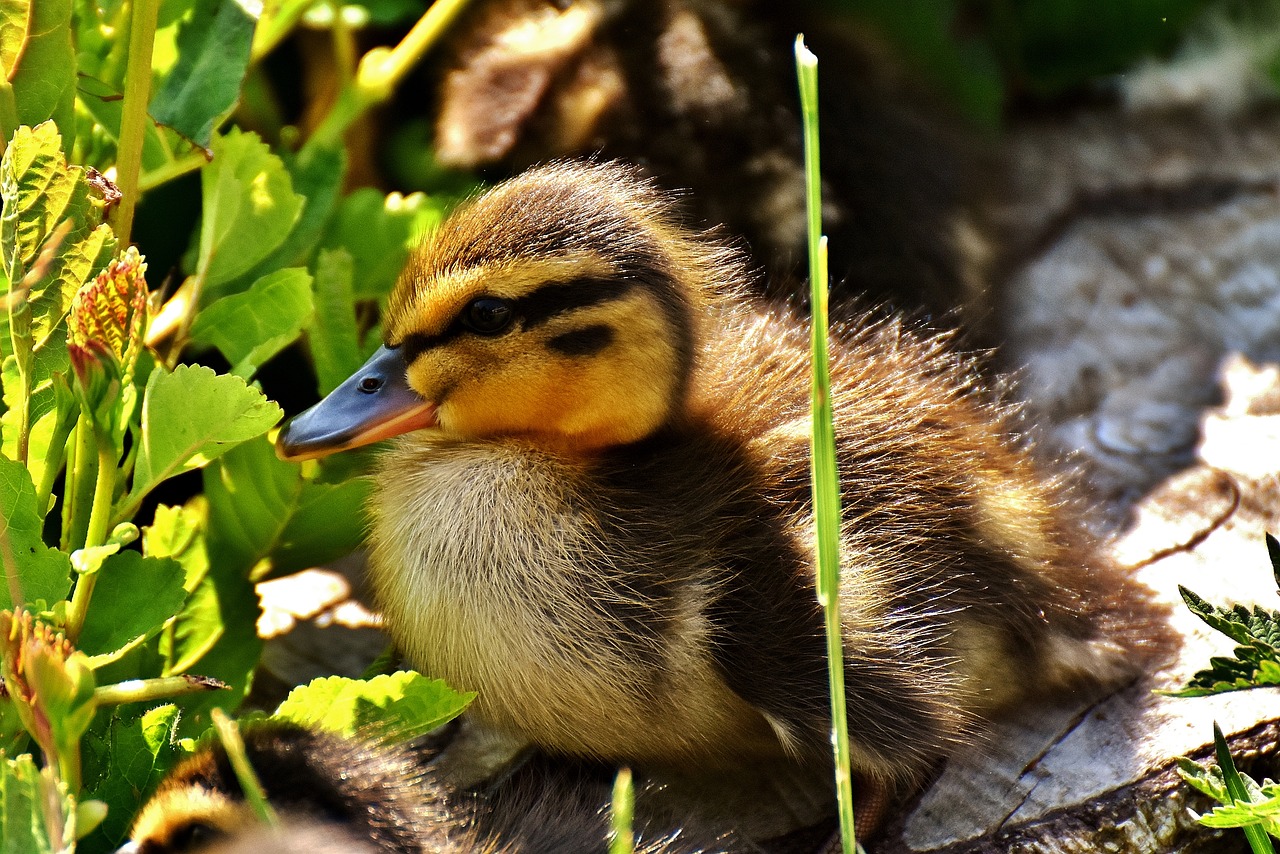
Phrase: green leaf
x=334 y=338
x=204 y=86
x=190 y=417
x=251 y=493
x=38 y=59
x=1240 y=792
x=251 y=327
x=133 y=598
x=40 y=192
x=261 y=507
x=317 y=172
x=1257 y=660
x=379 y=231
x=402 y=705
x=178 y=532
x=124 y=761
x=249 y=208
x=215 y=633
x=22 y=822
x=43 y=573
x=328 y=521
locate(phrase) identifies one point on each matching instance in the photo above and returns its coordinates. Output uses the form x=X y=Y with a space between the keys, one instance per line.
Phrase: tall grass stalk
x=826 y=482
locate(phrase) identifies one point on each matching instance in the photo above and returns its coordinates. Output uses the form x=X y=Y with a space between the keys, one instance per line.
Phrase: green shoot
x=229 y=734
x=623 y=814
x=826 y=489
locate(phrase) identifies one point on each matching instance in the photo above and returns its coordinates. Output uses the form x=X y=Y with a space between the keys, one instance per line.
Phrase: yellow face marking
x=179 y=807
x=427 y=306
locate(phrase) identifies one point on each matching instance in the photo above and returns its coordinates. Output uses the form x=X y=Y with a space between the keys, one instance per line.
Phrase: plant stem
x=151 y=690
x=64 y=424
x=82 y=468
x=133 y=118
x=825 y=473
x=103 y=492
x=229 y=734
x=173 y=169
x=95 y=534
x=381 y=70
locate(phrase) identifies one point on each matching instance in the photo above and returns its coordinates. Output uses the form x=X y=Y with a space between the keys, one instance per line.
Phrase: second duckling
x=597 y=515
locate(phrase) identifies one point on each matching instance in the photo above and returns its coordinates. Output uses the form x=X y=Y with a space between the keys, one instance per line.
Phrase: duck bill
x=375 y=403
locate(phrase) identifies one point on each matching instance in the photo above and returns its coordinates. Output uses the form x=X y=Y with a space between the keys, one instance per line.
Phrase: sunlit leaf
x=192 y=416
x=22 y=822
x=402 y=705
x=43 y=573
x=119 y=616
x=251 y=327
x=249 y=208
x=38 y=59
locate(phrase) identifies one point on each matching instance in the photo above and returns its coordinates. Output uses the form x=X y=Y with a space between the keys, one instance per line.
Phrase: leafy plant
x=1245 y=804
x=128 y=616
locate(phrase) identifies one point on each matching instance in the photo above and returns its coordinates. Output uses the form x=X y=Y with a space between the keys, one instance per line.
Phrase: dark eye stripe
x=586 y=341
x=548 y=301
x=533 y=309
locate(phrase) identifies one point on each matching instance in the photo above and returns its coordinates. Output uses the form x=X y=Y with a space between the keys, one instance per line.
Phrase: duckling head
x=563 y=306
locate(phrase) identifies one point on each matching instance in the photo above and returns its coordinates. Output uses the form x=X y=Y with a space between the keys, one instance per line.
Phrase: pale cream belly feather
x=477 y=566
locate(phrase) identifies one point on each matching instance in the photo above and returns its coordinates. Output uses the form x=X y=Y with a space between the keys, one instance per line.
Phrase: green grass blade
x=826 y=488
x=1258 y=839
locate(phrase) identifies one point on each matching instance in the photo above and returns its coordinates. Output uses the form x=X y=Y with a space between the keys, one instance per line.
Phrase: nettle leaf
x=403 y=705
x=40 y=193
x=249 y=208
x=193 y=416
x=251 y=327
x=333 y=336
x=22 y=823
x=204 y=86
x=1256 y=662
x=43 y=573
x=262 y=508
x=379 y=231
x=120 y=618
x=124 y=762
x=39 y=61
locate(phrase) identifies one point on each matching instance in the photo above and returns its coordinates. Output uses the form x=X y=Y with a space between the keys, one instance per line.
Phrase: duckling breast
x=518 y=574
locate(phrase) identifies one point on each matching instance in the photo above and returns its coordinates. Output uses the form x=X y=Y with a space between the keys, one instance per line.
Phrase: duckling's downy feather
x=611 y=541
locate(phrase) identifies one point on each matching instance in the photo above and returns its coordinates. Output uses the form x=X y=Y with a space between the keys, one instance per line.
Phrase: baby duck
x=345 y=795
x=597 y=514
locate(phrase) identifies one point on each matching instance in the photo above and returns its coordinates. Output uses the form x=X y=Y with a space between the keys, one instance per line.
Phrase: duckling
x=348 y=795
x=597 y=511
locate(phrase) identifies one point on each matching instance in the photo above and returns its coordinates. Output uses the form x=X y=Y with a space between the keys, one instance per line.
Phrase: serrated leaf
x=43 y=573
x=22 y=821
x=1257 y=660
x=402 y=705
x=249 y=208
x=204 y=86
x=119 y=616
x=379 y=231
x=124 y=762
x=251 y=327
x=193 y=416
x=333 y=336
x=39 y=61
x=40 y=192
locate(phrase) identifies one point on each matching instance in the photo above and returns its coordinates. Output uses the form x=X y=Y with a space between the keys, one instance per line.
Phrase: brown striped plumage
x=345 y=795
x=611 y=543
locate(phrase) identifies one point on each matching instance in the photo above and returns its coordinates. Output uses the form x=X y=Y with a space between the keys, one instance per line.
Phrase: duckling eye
x=487 y=315
x=369 y=385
